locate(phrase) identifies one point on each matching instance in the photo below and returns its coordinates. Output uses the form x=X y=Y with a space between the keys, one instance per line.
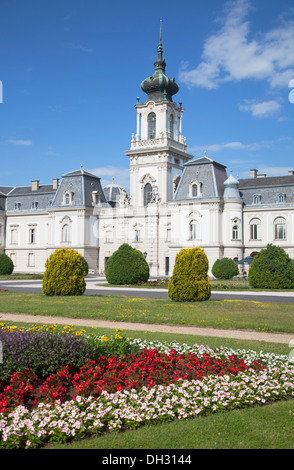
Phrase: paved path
x=177 y=329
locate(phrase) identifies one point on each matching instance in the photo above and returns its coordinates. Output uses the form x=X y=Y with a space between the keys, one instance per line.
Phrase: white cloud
x=109 y=174
x=263 y=109
x=254 y=146
x=79 y=47
x=20 y=142
x=233 y=54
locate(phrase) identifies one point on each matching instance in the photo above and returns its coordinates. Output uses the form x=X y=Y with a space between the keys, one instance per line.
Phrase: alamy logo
x=1 y=92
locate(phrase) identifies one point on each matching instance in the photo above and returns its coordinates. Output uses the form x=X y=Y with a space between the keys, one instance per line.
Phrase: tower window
x=151 y=126
x=171 y=126
x=147 y=194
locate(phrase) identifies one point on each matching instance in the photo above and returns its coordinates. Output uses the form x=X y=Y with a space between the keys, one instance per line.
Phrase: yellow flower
x=104 y=338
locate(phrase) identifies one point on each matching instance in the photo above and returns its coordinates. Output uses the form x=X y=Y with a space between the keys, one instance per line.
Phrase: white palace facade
x=175 y=201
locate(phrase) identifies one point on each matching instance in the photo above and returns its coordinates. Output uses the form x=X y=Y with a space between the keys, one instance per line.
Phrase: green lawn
x=236 y=314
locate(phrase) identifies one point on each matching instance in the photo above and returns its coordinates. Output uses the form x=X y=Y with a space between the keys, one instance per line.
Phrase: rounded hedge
x=272 y=268
x=189 y=282
x=127 y=265
x=6 y=265
x=65 y=272
x=225 y=268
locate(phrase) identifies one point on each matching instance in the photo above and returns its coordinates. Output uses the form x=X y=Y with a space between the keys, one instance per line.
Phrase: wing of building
x=175 y=201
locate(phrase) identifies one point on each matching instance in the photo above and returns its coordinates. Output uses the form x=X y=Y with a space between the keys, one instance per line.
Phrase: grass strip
x=226 y=314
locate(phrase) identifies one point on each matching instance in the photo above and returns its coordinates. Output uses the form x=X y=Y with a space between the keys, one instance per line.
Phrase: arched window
x=255 y=229
x=151 y=126
x=280 y=228
x=147 y=193
x=193 y=229
x=65 y=233
x=171 y=126
x=235 y=233
x=194 y=190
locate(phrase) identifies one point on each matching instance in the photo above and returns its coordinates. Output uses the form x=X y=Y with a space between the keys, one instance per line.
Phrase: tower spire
x=160 y=48
x=160 y=63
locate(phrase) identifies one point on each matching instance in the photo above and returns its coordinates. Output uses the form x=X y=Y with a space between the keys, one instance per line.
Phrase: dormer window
x=282 y=198
x=195 y=189
x=96 y=197
x=34 y=205
x=256 y=199
x=68 y=198
x=17 y=205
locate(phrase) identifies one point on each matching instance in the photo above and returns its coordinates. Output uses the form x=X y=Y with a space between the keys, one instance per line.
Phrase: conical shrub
x=189 y=282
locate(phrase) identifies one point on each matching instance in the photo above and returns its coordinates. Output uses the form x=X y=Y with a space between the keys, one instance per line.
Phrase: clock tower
x=158 y=149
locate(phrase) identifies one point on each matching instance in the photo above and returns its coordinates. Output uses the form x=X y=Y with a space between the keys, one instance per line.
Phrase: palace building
x=175 y=201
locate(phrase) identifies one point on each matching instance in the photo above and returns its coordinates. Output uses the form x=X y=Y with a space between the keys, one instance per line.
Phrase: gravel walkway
x=177 y=329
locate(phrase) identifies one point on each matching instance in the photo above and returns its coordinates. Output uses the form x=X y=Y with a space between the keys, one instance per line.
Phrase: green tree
x=64 y=273
x=127 y=265
x=6 y=265
x=225 y=268
x=189 y=282
x=272 y=268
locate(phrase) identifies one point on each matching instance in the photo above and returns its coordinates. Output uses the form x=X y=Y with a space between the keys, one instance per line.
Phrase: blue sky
x=71 y=72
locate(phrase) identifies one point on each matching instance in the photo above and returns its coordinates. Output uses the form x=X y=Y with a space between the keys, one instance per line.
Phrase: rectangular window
x=108 y=236
x=13 y=236
x=280 y=231
x=31 y=260
x=235 y=234
x=168 y=235
x=137 y=236
x=253 y=232
x=167 y=266
x=32 y=235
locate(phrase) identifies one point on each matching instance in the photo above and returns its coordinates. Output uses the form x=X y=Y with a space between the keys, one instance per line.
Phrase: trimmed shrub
x=6 y=265
x=272 y=268
x=189 y=282
x=64 y=273
x=86 y=266
x=126 y=266
x=225 y=268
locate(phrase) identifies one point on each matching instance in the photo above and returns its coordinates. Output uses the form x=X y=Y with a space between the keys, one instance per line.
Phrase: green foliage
x=272 y=268
x=86 y=266
x=6 y=265
x=126 y=266
x=64 y=273
x=189 y=282
x=225 y=268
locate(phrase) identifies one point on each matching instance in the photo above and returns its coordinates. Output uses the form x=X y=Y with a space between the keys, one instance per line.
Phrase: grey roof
x=82 y=184
x=266 y=181
x=5 y=189
x=27 y=190
x=30 y=200
x=206 y=171
x=268 y=189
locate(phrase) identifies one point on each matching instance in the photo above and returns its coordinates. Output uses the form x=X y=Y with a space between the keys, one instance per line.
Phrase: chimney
x=253 y=173
x=35 y=185
x=291 y=172
x=55 y=183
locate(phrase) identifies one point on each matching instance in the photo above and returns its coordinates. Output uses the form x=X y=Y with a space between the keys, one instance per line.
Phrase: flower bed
x=160 y=383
